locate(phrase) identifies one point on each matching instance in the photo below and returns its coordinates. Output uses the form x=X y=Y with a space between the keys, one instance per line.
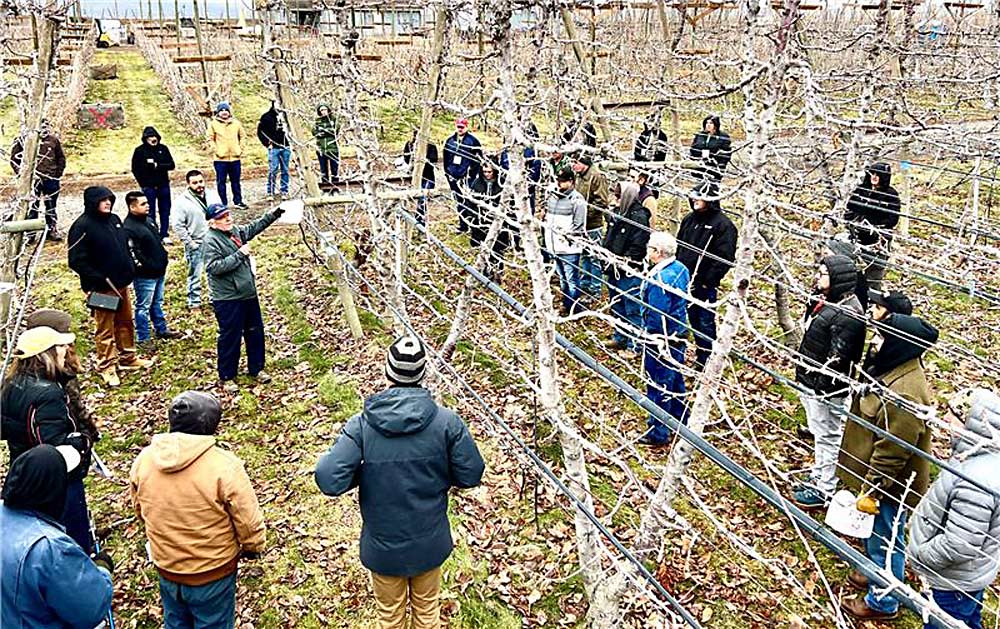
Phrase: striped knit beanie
x=405 y=361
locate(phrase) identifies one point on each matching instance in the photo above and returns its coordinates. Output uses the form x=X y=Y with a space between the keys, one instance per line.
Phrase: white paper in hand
x=293 y=211
x=843 y=516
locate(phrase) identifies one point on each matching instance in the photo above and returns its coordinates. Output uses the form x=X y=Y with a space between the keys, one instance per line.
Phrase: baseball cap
x=893 y=301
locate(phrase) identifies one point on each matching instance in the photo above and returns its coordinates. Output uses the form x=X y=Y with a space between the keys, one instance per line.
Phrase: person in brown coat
x=592 y=184
x=49 y=168
x=200 y=512
x=881 y=472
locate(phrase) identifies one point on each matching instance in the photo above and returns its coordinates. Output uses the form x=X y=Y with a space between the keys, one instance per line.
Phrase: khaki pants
x=393 y=593
x=114 y=340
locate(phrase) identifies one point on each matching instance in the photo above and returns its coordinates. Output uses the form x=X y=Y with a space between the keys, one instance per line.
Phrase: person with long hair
x=36 y=411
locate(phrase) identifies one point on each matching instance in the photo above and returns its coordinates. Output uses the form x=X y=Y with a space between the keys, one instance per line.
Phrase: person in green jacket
x=231 y=272
x=325 y=130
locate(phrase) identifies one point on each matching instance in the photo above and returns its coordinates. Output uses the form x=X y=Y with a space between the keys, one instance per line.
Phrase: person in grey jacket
x=231 y=284
x=403 y=453
x=565 y=227
x=190 y=227
x=955 y=531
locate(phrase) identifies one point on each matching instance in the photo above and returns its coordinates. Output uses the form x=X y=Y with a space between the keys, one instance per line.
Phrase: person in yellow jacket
x=200 y=512
x=226 y=136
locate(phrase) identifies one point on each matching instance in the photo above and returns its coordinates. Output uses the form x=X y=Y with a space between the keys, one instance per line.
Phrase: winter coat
x=586 y=134
x=484 y=201
x=706 y=245
x=36 y=411
x=157 y=173
x=226 y=139
x=651 y=146
x=565 y=218
x=271 y=129
x=188 y=216
x=718 y=146
x=50 y=162
x=870 y=209
x=230 y=275
x=665 y=311
x=98 y=246
x=593 y=186
x=955 y=531
x=325 y=130
x=146 y=246
x=198 y=506
x=462 y=156
x=48 y=582
x=628 y=232
x=430 y=158
x=835 y=332
x=403 y=452
x=533 y=166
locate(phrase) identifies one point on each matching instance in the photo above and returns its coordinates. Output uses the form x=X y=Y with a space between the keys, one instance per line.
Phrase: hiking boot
x=110 y=377
x=804 y=433
x=647 y=440
x=136 y=364
x=230 y=386
x=858 y=581
x=261 y=376
x=148 y=346
x=858 y=608
x=615 y=345
x=169 y=334
x=54 y=236
x=808 y=498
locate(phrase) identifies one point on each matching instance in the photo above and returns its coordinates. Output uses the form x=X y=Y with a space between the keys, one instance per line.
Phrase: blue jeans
x=702 y=322
x=231 y=171
x=148 y=305
x=591 y=273
x=329 y=167
x=568 y=267
x=666 y=390
x=425 y=184
x=196 y=268
x=965 y=607
x=75 y=517
x=277 y=161
x=876 y=548
x=623 y=292
x=159 y=202
x=208 y=606
x=240 y=322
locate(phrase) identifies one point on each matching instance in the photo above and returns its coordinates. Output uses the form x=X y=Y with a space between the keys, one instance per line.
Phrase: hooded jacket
x=98 y=246
x=430 y=158
x=714 y=150
x=651 y=145
x=955 y=531
x=706 y=241
x=403 y=452
x=835 y=331
x=46 y=580
x=868 y=460
x=230 y=274
x=325 y=130
x=50 y=162
x=226 y=138
x=271 y=129
x=146 y=247
x=198 y=506
x=483 y=203
x=872 y=209
x=628 y=232
x=155 y=173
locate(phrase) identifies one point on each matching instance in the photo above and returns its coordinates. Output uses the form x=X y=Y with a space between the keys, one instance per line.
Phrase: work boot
x=169 y=334
x=858 y=581
x=857 y=608
x=54 y=236
x=615 y=345
x=136 y=364
x=110 y=377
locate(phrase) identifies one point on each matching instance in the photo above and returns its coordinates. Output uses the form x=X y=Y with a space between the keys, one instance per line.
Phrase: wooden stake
x=201 y=51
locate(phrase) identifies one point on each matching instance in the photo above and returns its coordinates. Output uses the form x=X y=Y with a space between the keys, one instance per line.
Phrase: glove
x=867 y=504
x=249 y=554
x=103 y=560
x=278 y=211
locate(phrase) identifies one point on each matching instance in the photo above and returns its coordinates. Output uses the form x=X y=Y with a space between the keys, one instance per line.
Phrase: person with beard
x=565 y=224
x=191 y=228
x=226 y=139
x=872 y=213
x=712 y=147
x=46 y=580
x=592 y=184
x=151 y=166
x=955 y=530
x=626 y=239
x=35 y=411
x=98 y=252
x=49 y=168
x=462 y=154
x=888 y=478
x=833 y=342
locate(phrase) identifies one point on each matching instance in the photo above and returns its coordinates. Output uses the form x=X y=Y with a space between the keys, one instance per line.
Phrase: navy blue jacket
x=461 y=156
x=403 y=452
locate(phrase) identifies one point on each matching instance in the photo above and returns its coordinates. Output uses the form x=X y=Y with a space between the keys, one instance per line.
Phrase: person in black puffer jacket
x=35 y=411
x=627 y=236
x=831 y=346
x=151 y=166
x=712 y=147
x=98 y=252
x=652 y=143
x=150 y=258
x=872 y=214
x=706 y=245
x=484 y=200
x=271 y=131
